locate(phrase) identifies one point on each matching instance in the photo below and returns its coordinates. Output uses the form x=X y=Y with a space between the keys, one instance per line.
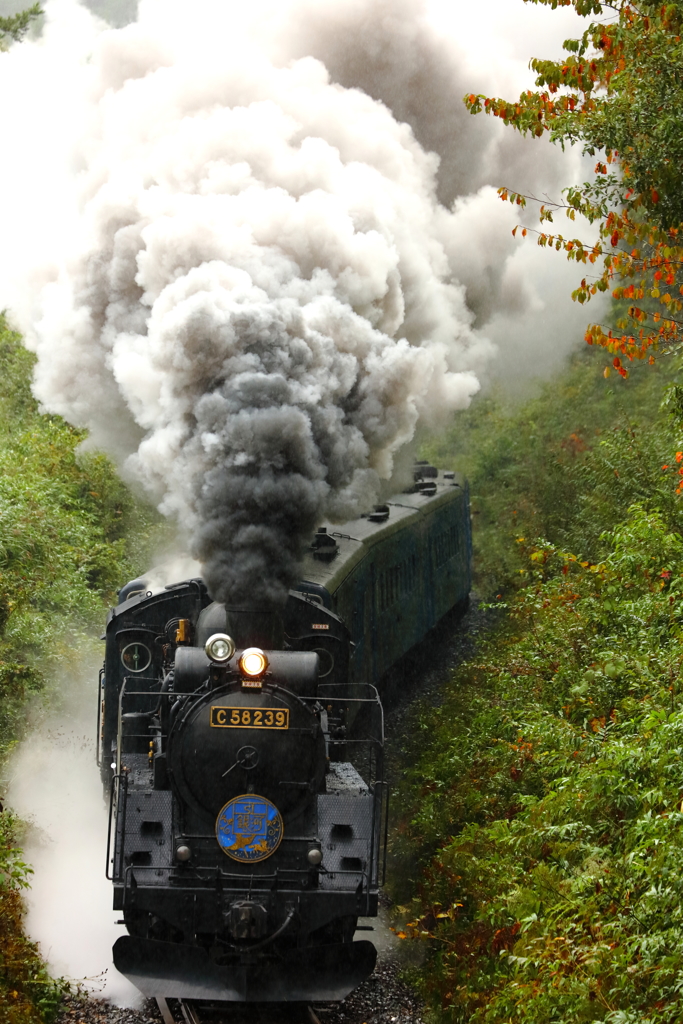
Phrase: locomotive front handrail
x=116 y=781
x=123 y=798
x=386 y=834
x=384 y=806
x=100 y=721
x=108 y=876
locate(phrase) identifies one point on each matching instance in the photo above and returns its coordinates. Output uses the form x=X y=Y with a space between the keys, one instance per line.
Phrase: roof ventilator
x=379 y=514
x=423 y=471
x=324 y=547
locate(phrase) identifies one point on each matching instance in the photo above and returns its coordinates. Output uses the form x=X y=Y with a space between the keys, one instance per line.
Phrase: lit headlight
x=220 y=647
x=253 y=662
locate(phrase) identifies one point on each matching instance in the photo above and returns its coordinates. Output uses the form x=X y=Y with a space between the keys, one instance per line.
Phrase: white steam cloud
x=56 y=788
x=259 y=306
x=260 y=281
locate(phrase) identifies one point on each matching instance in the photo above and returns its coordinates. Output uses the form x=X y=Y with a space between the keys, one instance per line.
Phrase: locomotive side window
x=136 y=657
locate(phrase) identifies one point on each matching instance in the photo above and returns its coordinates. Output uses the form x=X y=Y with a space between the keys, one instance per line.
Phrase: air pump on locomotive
x=243 y=754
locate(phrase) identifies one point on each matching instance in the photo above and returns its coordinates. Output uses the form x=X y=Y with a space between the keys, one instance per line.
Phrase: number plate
x=250 y=718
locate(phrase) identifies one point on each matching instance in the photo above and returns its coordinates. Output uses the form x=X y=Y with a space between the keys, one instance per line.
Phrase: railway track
x=191 y=1011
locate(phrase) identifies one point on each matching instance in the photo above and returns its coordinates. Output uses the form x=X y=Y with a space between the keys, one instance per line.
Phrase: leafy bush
x=548 y=803
x=565 y=465
x=27 y=992
x=539 y=847
x=70 y=534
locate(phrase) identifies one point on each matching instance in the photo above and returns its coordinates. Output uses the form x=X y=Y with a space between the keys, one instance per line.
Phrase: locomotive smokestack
x=251 y=626
x=248 y=625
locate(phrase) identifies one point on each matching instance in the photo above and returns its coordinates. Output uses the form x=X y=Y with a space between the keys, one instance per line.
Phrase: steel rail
x=190 y=1013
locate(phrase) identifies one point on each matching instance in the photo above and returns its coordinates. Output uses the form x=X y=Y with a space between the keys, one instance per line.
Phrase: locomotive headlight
x=183 y=853
x=253 y=662
x=315 y=857
x=220 y=647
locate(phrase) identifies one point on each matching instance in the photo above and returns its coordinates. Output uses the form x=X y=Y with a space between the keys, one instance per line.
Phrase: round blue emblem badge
x=249 y=828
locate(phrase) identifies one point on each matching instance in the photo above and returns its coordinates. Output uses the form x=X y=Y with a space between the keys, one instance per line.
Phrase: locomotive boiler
x=243 y=754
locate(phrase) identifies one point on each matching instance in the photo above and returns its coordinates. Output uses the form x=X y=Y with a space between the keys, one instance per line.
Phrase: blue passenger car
x=394 y=573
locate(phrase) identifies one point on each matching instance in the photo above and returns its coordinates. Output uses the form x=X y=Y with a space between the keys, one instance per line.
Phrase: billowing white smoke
x=259 y=307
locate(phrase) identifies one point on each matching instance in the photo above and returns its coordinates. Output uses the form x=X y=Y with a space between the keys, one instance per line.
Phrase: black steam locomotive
x=243 y=755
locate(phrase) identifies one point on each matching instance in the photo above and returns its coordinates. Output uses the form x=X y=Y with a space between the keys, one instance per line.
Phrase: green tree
x=70 y=534
x=618 y=93
x=16 y=26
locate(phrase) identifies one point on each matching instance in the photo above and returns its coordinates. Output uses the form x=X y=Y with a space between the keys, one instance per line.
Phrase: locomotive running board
x=170 y=969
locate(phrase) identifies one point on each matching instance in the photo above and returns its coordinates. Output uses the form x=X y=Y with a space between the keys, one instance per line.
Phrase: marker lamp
x=253 y=662
x=220 y=647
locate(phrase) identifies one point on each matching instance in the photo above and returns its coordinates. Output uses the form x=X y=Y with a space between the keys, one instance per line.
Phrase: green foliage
x=541 y=819
x=618 y=93
x=28 y=995
x=70 y=534
x=558 y=783
x=64 y=520
x=15 y=26
x=565 y=465
x=630 y=90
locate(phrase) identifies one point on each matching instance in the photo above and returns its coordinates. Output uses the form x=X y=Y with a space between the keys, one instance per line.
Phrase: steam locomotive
x=243 y=754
